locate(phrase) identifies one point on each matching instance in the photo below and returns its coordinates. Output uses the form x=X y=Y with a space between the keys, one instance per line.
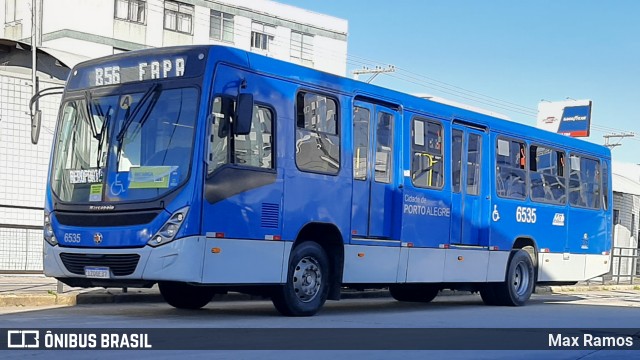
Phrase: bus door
x=373 y=132
x=469 y=158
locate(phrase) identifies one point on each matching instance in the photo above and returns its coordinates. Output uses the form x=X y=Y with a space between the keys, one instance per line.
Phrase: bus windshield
x=124 y=147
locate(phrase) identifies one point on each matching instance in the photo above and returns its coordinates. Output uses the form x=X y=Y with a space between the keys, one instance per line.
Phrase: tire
x=519 y=283
x=488 y=295
x=185 y=296
x=307 y=285
x=414 y=292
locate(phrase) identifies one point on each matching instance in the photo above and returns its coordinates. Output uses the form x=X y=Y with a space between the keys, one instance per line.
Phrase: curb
x=32 y=300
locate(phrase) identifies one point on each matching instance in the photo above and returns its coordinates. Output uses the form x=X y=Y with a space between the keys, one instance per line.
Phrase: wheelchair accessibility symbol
x=117 y=187
x=495 y=215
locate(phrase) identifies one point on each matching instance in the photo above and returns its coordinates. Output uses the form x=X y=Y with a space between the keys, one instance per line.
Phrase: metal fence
x=625 y=266
x=20 y=249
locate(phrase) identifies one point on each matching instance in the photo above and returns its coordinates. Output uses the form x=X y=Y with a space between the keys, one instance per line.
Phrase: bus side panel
x=466 y=265
x=315 y=197
x=371 y=264
x=511 y=219
x=251 y=207
x=426 y=265
x=561 y=267
x=235 y=261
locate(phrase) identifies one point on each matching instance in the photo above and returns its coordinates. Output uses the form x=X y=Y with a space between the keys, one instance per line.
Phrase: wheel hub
x=307 y=279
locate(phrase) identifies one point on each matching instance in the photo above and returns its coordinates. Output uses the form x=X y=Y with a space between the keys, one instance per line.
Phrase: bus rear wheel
x=414 y=292
x=307 y=285
x=184 y=296
x=519 y=283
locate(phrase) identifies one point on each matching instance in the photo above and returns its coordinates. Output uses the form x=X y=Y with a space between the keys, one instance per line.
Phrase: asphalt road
x=592 y=310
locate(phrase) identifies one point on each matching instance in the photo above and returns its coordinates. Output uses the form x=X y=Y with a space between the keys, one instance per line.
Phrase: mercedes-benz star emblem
x=97 y=238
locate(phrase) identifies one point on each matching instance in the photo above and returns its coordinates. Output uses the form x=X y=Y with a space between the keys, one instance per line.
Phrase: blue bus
x=207 y=169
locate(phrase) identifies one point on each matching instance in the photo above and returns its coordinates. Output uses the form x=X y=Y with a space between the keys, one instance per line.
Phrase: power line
x=399 y=73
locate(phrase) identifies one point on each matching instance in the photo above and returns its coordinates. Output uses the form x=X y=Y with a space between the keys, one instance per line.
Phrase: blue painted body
x=359 y=210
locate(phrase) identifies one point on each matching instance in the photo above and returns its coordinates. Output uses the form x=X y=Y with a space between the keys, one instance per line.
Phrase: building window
x=10 y=11
x=262 y=36
x=131 y=10
x=317 y=140
x=616 y=217
x=302 y=48
x=178 y=17
x=221 y=27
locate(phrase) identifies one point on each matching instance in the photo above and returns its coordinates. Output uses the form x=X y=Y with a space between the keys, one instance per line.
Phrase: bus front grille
x=119 y=264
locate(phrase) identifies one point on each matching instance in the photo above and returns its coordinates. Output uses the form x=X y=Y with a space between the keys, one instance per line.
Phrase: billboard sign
x=570 y=117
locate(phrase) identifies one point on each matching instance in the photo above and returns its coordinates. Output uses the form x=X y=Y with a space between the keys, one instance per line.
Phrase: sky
x=505 y=56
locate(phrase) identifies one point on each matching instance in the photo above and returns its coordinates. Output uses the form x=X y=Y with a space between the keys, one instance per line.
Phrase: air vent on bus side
x=270 y=216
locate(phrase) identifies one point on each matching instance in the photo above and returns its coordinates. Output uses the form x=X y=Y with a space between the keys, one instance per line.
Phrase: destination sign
x=138 y=66
x=146 y=70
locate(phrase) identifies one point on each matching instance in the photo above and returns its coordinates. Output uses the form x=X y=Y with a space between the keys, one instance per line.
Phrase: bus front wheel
x=185 y=296
x=307 y=285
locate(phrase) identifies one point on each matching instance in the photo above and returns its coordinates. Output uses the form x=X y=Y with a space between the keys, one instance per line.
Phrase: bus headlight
x=47 y=230
x=169 y=230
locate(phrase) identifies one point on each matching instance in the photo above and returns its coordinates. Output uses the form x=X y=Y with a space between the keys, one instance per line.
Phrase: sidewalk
x=39 y=290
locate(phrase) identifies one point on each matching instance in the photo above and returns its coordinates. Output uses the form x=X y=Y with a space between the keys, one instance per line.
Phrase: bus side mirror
x=36 y=121
x=244 y=114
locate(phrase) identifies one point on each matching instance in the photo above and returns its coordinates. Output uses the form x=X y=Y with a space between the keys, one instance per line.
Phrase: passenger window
x=473 y=164
x=384 y=148
x=547 y=183
x=511 y=173
x=584 y=182
x=317 y=140
x=361 y=119
x=427 y=167
x=605 y=185
x=456 y=154
x=254 y=149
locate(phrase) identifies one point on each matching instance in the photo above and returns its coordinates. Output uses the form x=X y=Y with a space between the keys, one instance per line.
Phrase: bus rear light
x=493 y=248
x=544 y=250
x=443 y=246
x=219 y=235
x=605 y=253
x=169 y=230
x=273 y=237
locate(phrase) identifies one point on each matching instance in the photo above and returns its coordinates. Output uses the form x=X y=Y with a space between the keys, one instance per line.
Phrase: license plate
x=97 y=272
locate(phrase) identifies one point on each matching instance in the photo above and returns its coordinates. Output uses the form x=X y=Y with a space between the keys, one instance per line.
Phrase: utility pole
x=616 y=136
x=377 y=71
x=34 y=35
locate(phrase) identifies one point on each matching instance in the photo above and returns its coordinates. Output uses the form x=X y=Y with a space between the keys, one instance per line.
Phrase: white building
x=72 y=30
x=96 y=28
x=626 y=216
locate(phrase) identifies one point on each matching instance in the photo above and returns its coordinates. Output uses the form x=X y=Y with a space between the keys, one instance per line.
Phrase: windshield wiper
x=153 y=93
x=150 y=95
x=92 y=125
x=102 y=136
